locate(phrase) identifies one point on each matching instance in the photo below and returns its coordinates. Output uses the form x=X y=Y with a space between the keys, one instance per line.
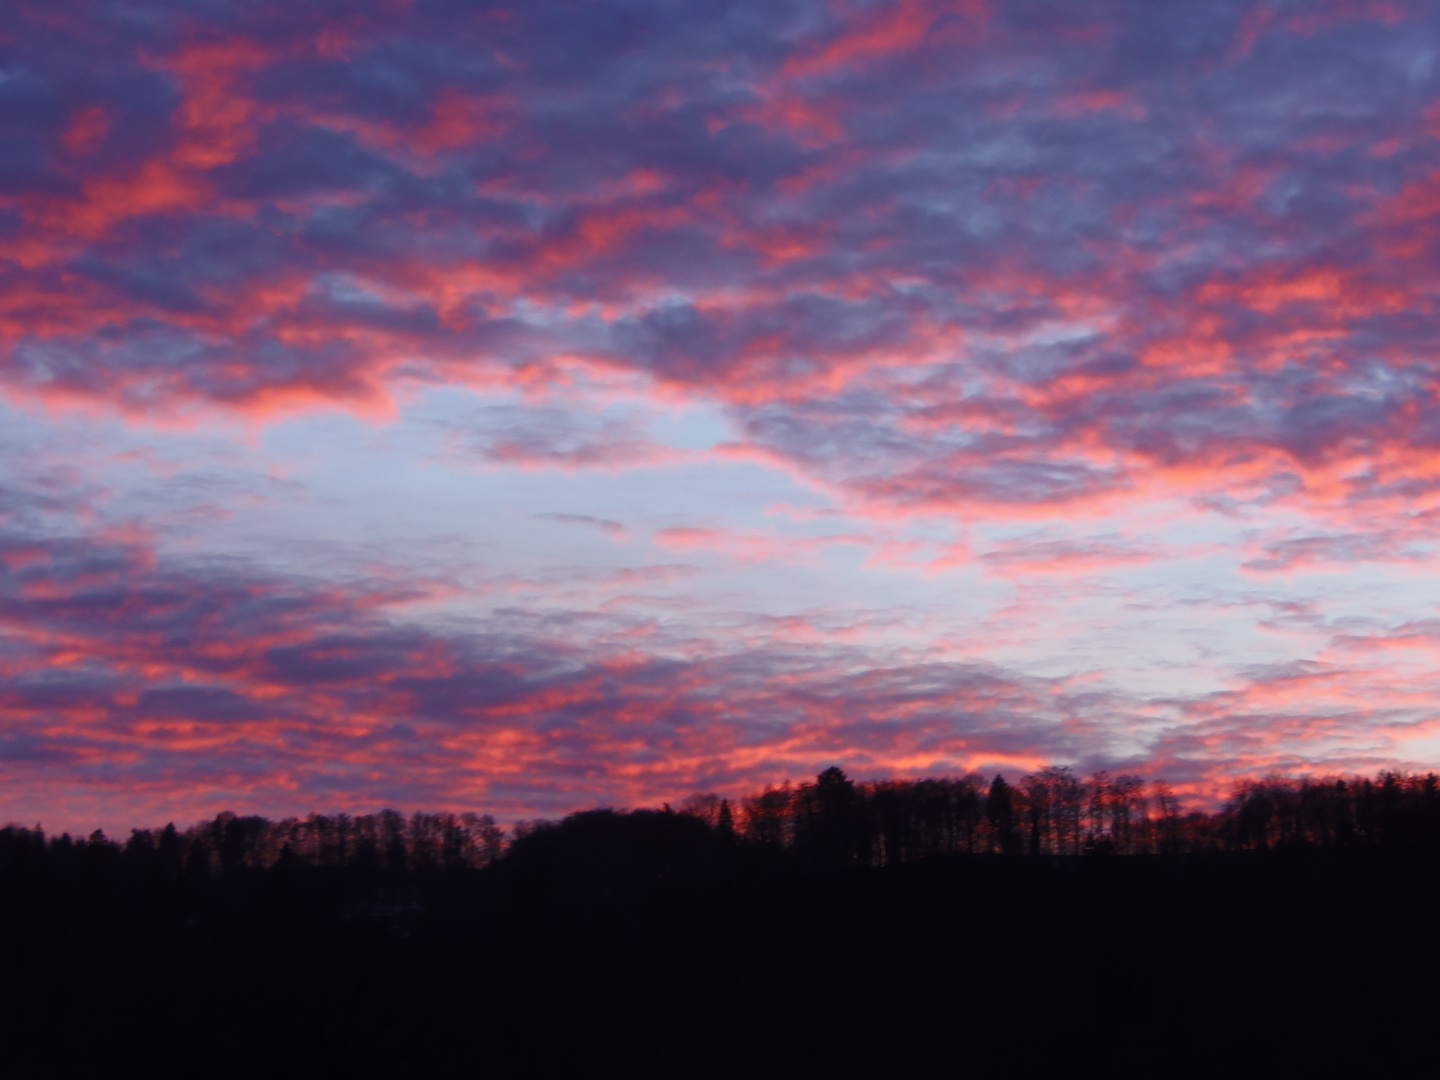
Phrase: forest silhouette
x=947 y=924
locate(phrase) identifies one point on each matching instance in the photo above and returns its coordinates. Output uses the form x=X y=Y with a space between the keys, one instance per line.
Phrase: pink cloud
x=933 y=262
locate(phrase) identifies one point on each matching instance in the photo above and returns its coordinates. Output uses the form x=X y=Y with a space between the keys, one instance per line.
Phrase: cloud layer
x=1116 y=305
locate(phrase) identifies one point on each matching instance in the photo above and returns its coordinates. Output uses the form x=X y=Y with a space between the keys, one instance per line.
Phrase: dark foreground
x=651 y=943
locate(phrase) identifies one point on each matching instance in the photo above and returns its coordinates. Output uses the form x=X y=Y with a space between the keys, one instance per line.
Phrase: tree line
x=1050 y=812
x=387 y=842
x=1055 y=812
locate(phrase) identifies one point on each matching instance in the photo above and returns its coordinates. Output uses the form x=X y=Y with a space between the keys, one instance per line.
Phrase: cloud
x=1029 y=556
x=540 y=438
x=610 y=528
x=1046 y=277
x=1333 y=551
x=144 y=685
x=164 y=684
x=751 y=546
x=995 y=266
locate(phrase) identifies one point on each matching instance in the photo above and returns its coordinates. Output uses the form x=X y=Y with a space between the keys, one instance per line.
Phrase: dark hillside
x=661 y=944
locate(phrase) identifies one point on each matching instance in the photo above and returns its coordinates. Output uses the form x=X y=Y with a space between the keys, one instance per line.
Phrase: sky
x=520 y=408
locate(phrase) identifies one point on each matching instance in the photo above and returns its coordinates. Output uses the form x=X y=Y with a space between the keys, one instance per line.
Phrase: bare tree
x=769 y=815
x=705 y=807
x=1167 y=808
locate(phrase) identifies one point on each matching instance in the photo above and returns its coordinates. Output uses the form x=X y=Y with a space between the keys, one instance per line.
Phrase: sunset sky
x=522 y=408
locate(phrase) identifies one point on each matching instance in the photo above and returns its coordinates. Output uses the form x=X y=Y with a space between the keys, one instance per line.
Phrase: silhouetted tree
x=768 y=816
x=1035 y=790
x=1000 y=812
x=829 y=818
x=1168 y=808
x=705 y=807
x=390 y=830
x=1125 y=811
x=725 y=824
